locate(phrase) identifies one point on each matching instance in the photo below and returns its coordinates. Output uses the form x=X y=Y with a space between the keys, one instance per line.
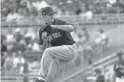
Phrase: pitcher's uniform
x=59 y=46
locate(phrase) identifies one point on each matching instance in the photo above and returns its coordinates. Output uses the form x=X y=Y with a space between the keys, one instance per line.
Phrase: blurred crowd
x=15 y=10
x=13 y=46
x=19 y=40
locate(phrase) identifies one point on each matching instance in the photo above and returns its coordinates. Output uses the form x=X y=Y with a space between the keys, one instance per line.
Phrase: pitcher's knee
x=55 y=61
x=47 y=51
x=51 y=53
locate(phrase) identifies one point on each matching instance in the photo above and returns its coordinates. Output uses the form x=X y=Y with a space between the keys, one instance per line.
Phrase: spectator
x=40 y=4
x=9 y=36
x=119 y=6
x=8 y=65
x=3 y=37
x=78 y=11
x=9 y=40
x=3 y=57
x=19 y=42
x=89 y=15
x=35 y=46
x=3 y=53
x=29 y=36
x=34 y=65
x=83 y=33
x=21 y=15
x=24 y=8
x=102 y=41
x=17 y=34
x=18 y=46
x=5 y=9
x=24 y=3
x=20 y=12
x=18 y=3
x=99 y=76
x=119 y=67
x=12 y=17
x=18 y=62
x=33 y=12
x=3 y=47
x=86 y=34
x=15 y=64
x=103 y=37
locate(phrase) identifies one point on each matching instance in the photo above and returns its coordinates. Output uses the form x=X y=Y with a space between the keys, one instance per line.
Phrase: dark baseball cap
x=48 y=11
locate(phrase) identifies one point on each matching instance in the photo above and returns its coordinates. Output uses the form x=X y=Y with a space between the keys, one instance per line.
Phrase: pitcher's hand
x=46 y=44
x=44 y=35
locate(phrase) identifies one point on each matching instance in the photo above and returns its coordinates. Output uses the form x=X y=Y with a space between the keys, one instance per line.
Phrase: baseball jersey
x=56 y=37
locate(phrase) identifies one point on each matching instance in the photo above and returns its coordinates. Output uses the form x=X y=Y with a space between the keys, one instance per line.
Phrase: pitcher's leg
x=54 y=53
x=53 y=70
x=45 y=63
x=60 y=53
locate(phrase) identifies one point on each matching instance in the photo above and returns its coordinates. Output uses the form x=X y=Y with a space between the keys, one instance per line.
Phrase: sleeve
x=65 y=23
x=61 y=22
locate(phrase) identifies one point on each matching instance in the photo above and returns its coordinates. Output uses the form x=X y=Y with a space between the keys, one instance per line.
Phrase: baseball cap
x=48 y=11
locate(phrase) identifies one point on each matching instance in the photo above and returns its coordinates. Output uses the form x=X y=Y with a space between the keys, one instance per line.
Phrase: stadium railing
x=79 y=75
x=103 y=63
x=96 y=19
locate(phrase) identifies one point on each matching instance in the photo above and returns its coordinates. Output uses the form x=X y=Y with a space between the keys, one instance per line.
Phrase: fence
x=103 y=63
x=76 y=76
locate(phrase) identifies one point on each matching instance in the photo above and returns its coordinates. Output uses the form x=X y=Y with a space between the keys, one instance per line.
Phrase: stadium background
x=22 y=25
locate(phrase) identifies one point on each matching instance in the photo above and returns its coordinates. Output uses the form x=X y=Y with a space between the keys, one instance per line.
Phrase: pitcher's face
x=48 y=18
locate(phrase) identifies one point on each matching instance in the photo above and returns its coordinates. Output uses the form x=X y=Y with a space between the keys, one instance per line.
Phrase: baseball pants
x=52 y=57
